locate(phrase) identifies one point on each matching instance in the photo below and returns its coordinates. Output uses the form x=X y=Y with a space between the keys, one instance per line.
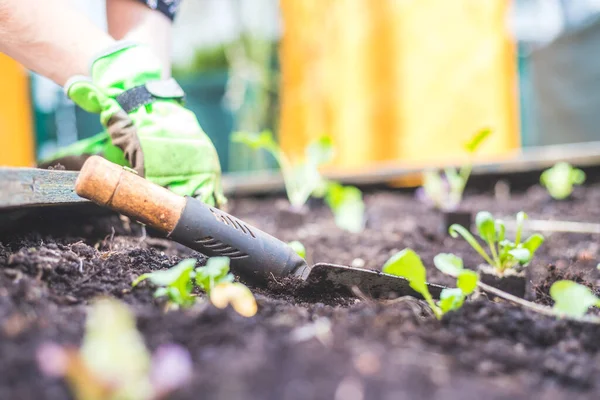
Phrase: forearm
x=133 y=20
x=50 y=37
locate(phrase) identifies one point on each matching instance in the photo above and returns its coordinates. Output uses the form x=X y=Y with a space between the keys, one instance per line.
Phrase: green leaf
x=521 y=217
x=449 y=264
x=577 y=176
x=433 y=186
x=167 y=277
x=451 y=299
x=571 y=298
x=320 y=151
x=298 y=247
x=467 y=281
x=256 y=141
x=112 y=348
x=347 y=206
x=486 y=226
x=408 y=264
x=161 y=291
x=216 y=271
x=477 y=139
x=560 y=178
x=523 y=256
x=500 y=230
x=533 y=243
x=456 y=229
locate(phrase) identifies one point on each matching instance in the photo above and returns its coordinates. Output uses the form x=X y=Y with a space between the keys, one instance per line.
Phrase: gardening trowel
x=254 y=254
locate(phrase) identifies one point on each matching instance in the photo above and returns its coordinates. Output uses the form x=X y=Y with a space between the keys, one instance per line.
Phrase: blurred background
x=394 y=82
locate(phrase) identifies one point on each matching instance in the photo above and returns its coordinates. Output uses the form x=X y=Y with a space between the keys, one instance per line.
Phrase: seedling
x=303 y=180
x=504 y=254
x=445 y=192
x=408 y=264
x=113 y=362
x=559 y=180
x=572 y=299
x=178 y=282
x=298 y=248
x=174 y=283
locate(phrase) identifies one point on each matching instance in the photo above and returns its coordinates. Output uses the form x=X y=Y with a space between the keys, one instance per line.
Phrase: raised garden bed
x=306 y=344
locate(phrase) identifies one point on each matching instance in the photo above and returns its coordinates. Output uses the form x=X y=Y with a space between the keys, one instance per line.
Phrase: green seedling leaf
x=523 y=256
x=467 y=281
x=256 y=141
x=577 y=176
x=559 y=180
x=456 y=230
x=521 y=217
x=500 y=230
x=215 y=272
x=486 y=226
x=451 y=299
x=167 y=277
x=298 y=248
x=472 y=145
x=572 y=299
x=408 y=264
x=113 y=350
x=320 y=151
x=347 y=206
x=533 y=243
x=449 y=264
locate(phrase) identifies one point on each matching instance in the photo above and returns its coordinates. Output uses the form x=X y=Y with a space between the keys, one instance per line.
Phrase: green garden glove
x=145 y=118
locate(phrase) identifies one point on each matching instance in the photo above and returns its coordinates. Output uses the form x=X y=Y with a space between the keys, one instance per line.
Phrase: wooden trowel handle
x=112 y=186
x=253 y=253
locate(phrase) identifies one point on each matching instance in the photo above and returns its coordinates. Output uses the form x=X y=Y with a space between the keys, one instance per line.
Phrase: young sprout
x=445 y=192
x=572 y=299
x=347 y=206
x=113 y=362
x=504 y=254
x=175 y=283
x=298 y=247
x=408 y=264
x=218 y=284
x=303 y=180
x=178 y=282
x=559 y=180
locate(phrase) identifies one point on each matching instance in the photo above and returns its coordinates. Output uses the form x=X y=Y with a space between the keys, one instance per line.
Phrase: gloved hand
x=148 y=127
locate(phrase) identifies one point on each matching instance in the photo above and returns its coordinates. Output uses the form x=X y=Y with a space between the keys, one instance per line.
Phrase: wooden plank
x=29 y=187
x=528 y=159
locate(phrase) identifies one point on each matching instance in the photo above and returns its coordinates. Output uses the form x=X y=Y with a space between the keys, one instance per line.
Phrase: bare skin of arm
x=133 y=20
x=50 y=37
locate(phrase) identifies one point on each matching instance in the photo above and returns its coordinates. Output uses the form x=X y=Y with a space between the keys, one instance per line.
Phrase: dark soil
x=53 y=264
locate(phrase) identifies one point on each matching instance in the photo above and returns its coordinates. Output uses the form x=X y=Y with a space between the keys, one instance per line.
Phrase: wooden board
x=32 y=187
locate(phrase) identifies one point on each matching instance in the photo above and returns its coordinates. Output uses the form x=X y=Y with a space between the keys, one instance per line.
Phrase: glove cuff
x=131 y=99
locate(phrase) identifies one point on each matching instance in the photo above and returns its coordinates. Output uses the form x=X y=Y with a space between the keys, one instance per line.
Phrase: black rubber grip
x=254 y=254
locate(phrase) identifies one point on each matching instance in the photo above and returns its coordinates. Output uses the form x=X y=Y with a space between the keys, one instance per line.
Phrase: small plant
x=303 y=180
x=445 y=191
x=178 y=282
x=113 y=362
x=408 y=264
x=504 y=254
x=572 y=299
x=298 y=247
x=174 y=283
x=559 y=180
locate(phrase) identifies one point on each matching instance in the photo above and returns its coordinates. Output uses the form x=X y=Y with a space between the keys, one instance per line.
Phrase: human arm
x=133 y=20
x=50 y=37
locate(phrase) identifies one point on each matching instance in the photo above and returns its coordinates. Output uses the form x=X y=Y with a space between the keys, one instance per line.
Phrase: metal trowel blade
x=374 y=284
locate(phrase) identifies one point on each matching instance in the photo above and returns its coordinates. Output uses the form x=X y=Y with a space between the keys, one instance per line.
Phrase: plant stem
x=497 y=262
x=544 y=310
